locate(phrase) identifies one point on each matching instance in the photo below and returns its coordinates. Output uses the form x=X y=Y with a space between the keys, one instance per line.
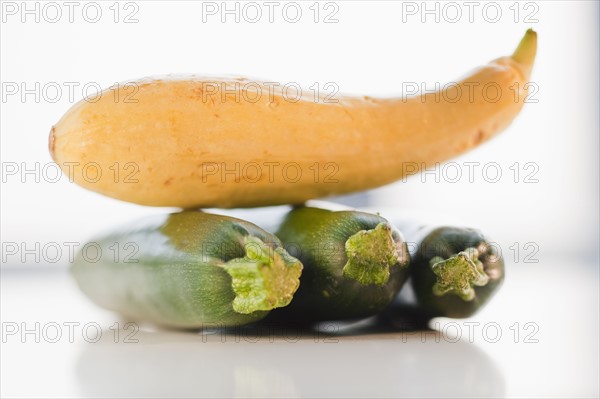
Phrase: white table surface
x=558 y=297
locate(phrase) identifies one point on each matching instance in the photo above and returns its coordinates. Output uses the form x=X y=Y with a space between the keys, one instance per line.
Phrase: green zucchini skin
x=178 y=276
x=446 y=242
x=318 y=238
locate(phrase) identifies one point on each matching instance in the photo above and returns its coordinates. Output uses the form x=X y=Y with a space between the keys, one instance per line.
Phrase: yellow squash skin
x=179 y=144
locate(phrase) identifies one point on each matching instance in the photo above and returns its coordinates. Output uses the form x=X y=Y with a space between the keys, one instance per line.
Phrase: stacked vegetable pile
x=194 y=269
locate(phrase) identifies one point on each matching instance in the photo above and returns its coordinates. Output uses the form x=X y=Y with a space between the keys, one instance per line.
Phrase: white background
x=372 y=50
x=369 y=51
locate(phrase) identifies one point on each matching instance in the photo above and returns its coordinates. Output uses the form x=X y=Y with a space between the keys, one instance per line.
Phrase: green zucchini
x=455 y=272
x=191 y=269
x=354 y=264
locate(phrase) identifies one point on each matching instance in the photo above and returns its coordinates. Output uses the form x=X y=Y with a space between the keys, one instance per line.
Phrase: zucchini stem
x=370 y=255
x=458 y=274
x=264 y=279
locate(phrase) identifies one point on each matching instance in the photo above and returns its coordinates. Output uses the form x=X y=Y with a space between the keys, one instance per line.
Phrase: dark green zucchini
x=190 y=269
x=455 y=271
x=354 y=264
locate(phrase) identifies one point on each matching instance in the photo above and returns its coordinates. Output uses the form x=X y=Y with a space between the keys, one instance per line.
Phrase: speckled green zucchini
x=455 y=271
x=354 y=264
x=191 y=270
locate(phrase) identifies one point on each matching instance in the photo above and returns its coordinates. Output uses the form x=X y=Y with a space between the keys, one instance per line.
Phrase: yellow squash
x=200 y=142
